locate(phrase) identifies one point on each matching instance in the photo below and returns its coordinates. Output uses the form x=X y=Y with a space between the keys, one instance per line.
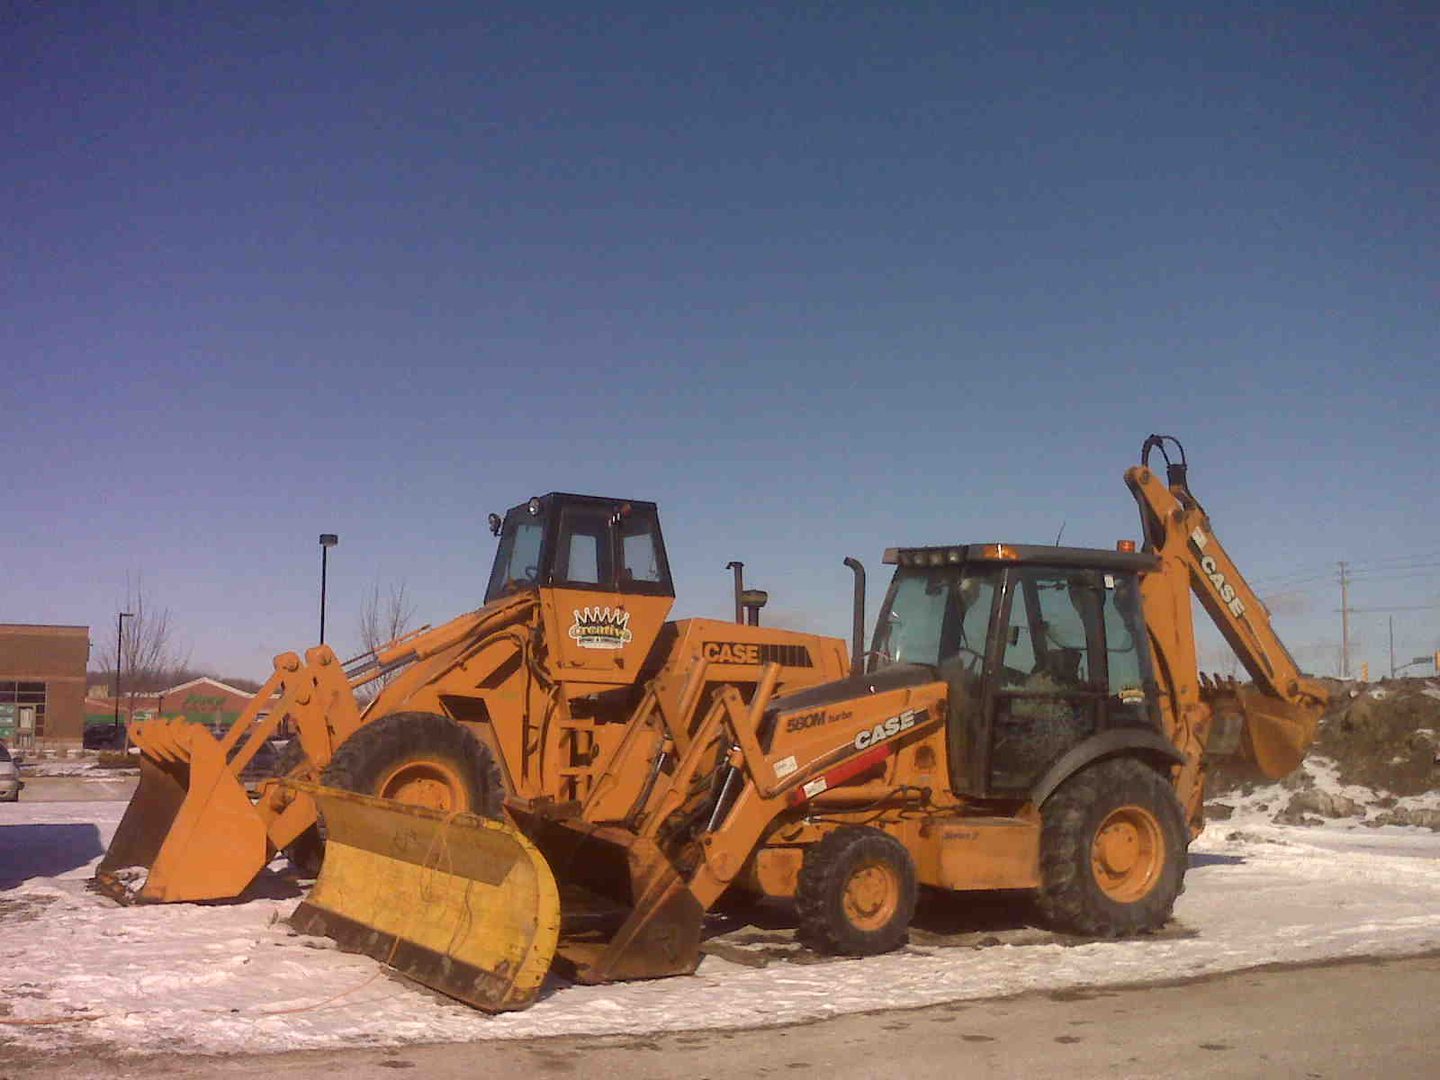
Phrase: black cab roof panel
x=1034 y=554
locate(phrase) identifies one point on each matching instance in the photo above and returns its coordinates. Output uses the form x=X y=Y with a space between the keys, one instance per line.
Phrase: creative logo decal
x=601 y=628
x=801 y=721
x=1212 y=570
x=888 y=729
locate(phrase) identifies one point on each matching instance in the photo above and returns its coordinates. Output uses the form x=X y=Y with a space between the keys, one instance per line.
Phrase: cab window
x=1126 y=651
x=517 y=561
x=938 y=617
x=1050 y=685
x=641 y=560
x=582 y=550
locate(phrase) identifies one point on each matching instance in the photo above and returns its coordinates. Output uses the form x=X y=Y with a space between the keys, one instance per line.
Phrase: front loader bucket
x=658 y=931
x=190 y=831
x=463 y=904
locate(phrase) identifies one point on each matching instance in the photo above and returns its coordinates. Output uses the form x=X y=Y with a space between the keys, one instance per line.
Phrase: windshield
x=517 y=561
x=933 y=615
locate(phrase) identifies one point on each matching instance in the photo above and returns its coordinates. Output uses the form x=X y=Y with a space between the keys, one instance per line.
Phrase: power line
x=1314 y=573
x=1401 y=607
x=1397 y=572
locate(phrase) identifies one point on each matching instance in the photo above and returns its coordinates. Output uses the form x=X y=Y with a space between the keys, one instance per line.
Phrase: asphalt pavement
x=1362 y=1018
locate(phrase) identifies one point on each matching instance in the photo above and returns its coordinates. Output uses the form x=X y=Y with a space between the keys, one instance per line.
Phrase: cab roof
x=592 y=500
x=1028 y=554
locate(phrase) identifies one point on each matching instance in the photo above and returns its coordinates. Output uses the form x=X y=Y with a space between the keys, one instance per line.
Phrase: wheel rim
x=872 y=895
x=1128 y=853
x=432 y=784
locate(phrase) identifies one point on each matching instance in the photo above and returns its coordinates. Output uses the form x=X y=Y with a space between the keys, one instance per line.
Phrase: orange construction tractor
x=525 y=699
x=1027 y=718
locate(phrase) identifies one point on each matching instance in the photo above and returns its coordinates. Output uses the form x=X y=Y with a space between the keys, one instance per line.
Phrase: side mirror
x=494 y=521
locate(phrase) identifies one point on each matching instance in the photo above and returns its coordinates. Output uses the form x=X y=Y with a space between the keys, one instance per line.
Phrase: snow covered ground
x=233 y=978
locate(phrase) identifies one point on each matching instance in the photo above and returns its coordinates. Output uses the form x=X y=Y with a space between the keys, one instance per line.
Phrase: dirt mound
x=1376 y=759
x=1385 y=735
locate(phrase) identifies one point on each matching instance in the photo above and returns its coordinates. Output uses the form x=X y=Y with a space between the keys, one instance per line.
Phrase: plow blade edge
x=460 y=903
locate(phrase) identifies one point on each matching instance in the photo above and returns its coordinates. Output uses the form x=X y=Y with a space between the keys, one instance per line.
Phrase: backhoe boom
x=1270 y=724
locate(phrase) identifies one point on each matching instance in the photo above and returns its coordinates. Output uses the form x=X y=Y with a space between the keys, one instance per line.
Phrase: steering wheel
x=979 y=657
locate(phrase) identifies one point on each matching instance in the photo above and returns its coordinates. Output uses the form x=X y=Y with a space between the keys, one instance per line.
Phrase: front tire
x=856 y=893
x=422 y=759
x=1113 y=851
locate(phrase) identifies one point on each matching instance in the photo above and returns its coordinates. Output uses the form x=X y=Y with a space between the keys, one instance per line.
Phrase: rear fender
x=1132 y=741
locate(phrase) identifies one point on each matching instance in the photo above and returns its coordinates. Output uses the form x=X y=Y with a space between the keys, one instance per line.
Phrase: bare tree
x=383 y=618
x=149 y=654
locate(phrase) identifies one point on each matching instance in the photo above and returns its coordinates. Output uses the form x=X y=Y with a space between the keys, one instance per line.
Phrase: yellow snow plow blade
x=463 y=904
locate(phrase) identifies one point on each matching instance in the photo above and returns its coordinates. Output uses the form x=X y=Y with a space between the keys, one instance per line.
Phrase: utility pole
x=1392 y=646
x=1344 y=622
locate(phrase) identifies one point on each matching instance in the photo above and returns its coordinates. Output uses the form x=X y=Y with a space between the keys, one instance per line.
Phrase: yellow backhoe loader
x=564 y=775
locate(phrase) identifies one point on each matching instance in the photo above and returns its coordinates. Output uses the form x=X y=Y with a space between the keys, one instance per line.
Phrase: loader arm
x=1271 y=724
x=192 y=833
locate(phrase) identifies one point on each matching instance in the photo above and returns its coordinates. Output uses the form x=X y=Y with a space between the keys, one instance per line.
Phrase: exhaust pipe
x=857 y=624
x=739 y=568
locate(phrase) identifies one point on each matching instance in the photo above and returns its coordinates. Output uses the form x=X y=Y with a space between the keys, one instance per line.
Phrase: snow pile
x=1376 y=762
x=83 y=764
x=233 y=977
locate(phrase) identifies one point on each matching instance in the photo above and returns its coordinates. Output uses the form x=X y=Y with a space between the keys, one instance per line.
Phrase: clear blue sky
x=817 y=278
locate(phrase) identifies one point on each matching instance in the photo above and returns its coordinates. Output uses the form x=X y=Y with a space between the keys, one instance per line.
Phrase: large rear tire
x=856 y=893
x=419 y=758
x=1112 y=851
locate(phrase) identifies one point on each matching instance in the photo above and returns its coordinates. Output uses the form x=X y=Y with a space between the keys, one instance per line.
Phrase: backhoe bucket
x=463 y=904
x=190 y=831
x=1277 y=734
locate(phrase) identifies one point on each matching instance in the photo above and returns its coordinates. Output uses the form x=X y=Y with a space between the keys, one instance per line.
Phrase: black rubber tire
x=362 y=761
x=307 y=851
x=820 y=896
x=1070 y=897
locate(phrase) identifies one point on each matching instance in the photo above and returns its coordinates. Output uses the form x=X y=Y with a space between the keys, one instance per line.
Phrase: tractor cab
x=600 y=570
x=1042 y=649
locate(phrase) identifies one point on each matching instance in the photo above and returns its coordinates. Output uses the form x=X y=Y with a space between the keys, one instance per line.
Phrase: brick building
x=42 y=683
x=204 y=700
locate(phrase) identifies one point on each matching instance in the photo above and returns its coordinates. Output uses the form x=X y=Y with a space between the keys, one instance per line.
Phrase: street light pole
x=120 y=618
x=327 y=541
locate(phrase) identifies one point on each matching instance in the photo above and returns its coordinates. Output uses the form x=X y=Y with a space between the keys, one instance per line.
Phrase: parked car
x=10 y=782
x=103 y=737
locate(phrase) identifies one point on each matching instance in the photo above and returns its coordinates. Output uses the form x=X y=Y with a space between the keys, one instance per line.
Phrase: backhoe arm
x=1276 y=718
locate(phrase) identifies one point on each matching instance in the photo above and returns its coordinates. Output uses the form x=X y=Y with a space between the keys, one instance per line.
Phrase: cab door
x=606 y=595
x=1048 y=691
